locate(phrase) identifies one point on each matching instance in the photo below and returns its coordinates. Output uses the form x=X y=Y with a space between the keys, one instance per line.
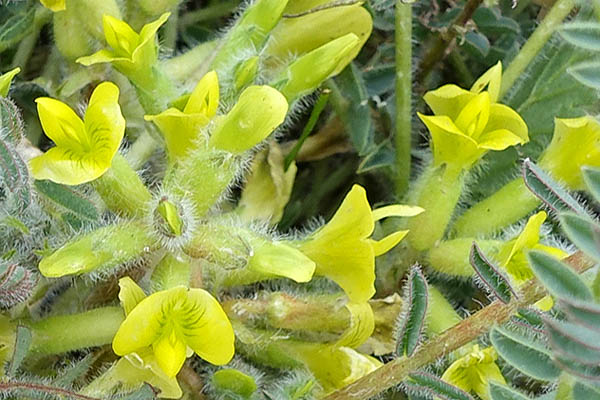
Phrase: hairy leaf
x=502 y=392
x=411 y=326
x=495 y=281
x=584 y=233
x=430 y=386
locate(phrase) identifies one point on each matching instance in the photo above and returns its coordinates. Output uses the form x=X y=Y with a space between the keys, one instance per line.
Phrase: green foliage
x=490 y=275
x=412 y=320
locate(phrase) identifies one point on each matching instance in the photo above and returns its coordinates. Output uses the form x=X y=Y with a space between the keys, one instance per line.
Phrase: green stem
x=503 y=208
x=438 y=192
x=122 y=189
x=534 y=44
x=42 y=17
x=452 y=257
x=64 y=333
x=170 y=30
x=596 y=4
x=403 y=95
x=469 y=329
x=154 y=88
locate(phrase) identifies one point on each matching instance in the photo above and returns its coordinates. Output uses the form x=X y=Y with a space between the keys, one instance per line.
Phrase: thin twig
x=438 y=50
x=326 y=6
x=469 y=329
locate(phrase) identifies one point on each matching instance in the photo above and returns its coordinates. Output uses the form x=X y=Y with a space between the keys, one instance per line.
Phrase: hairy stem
x=469 y=329
x=11 y=386
x=534 y=44
x=403 y=95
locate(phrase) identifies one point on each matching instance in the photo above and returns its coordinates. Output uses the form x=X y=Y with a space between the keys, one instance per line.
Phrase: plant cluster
x=161 y=195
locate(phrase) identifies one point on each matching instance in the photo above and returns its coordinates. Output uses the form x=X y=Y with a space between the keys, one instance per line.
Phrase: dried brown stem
x=392 y=373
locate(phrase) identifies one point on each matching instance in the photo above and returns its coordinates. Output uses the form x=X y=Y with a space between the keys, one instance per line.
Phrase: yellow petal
x=362 y=324
x=279 y=259
x=448 y=100
x=61 y=124
x=101 y=56
x=145 y=53
x=205 y=97
x=258 y=111
x=144 y=324
x=498 y=140
x=180 y=130
x=306 y=73
x=5 y=80
x=104 y=123
x=135 y=369
x=120 y=36
x=169 y=351
x=130 y=294
x=62 y=165
x=54 y=5
x=384 y=245
x=504 y=117
x=492 y=78
x=352 y=219
x=473 y=118
x=576 y=142
x=396 y=210
x=211 y=336
x=450 y=145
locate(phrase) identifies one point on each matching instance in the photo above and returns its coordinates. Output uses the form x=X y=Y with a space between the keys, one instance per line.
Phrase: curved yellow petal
x=179 y=129
x=258 y=111
x=170 y=352
x=135 y=369
x=211 y=336
x=144 y=324
x=5 y=80
x=204 y=99
x=498 y=140
x=576 y=142
x=279 y=259
x=448 y=100
x=362 y=325
x=145 y=53
x=54 y=5
x=101 y=56
x=450 y=145
x=492 y=78
x=62 y=165
x=61 y=124
x=384 y=245
x=104 y=123
x=120 y=36
x=474 y=116
x=130 y=294
x=504 y=117
x=396 y=210
x=352 y=219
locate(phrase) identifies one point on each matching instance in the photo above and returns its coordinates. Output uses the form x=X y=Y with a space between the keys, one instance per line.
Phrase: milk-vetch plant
x=168 y=232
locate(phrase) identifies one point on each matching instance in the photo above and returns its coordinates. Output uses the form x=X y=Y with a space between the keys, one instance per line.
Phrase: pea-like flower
x=474 y=371
x=512 y=254
x=130 y=51
x=575 y=143
x=181 y=124
x=6 y=79
x=174 y=323
x=84 y=148
x=468 y=123
x=343 y=250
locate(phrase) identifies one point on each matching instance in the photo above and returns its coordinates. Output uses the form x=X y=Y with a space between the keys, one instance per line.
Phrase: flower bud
x=306 y=73
x=5 y=80
x=259 y=110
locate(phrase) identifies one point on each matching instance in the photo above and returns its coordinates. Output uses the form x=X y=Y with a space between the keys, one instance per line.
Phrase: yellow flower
x=473 y=371
x=512 y=254
x=467 y=123
x=130 y=51
x=181 y=124
x=343 y=250
x=5 y=80
x=576 y=142
x=174 y=324
x=84 y=149
x=55 y=5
